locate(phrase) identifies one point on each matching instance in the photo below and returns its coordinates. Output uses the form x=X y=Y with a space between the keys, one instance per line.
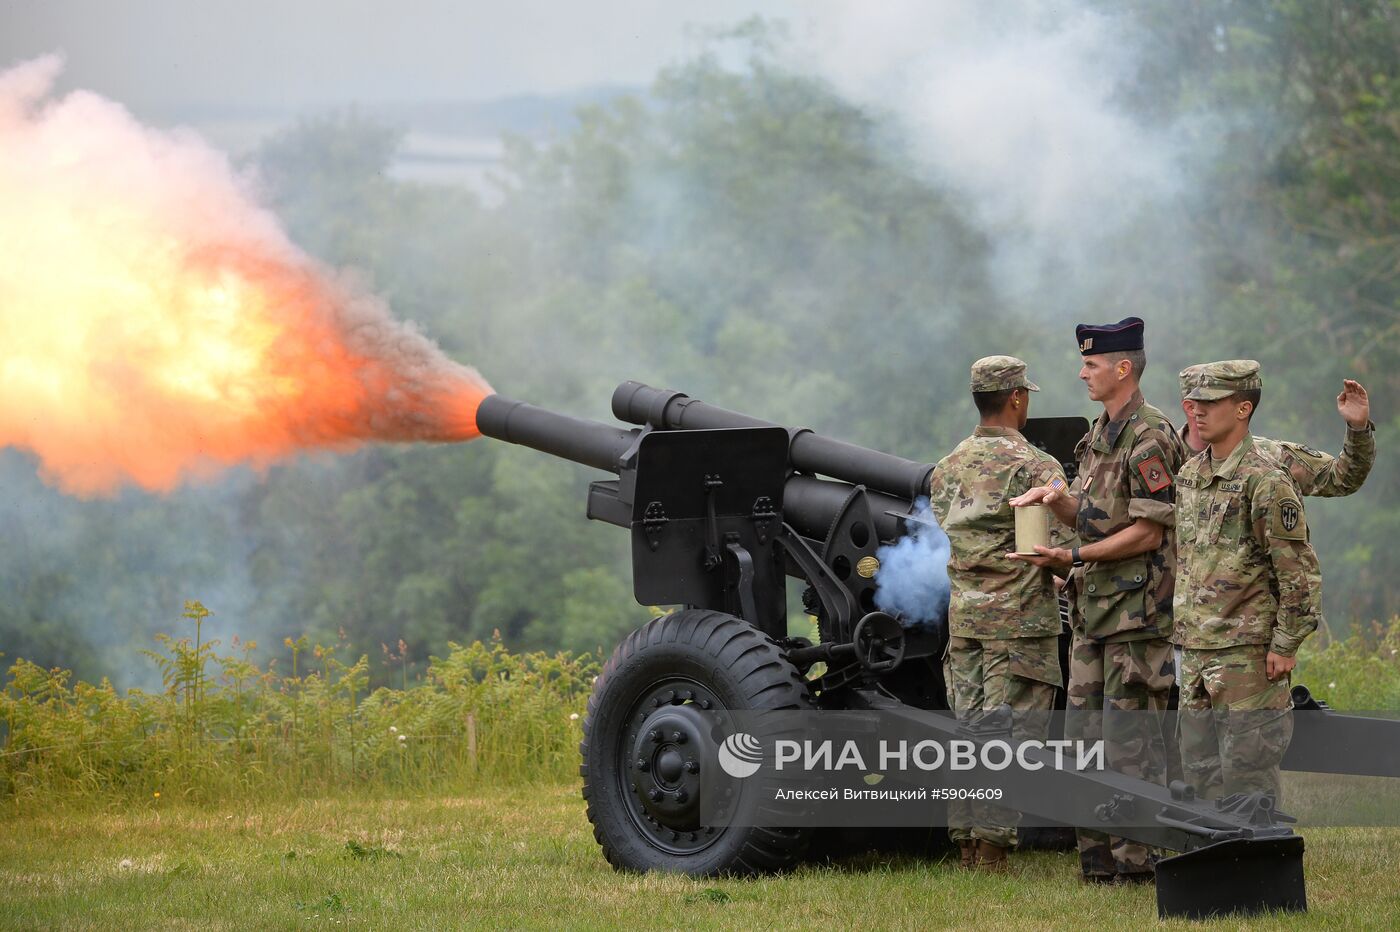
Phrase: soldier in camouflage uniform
x=1003 y=619
x=1249 y=592
x=1313 y=472
x=1120 y=580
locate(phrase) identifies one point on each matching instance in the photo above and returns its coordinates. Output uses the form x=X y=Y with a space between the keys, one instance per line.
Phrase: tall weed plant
x=222 y=725
x=1359 y=673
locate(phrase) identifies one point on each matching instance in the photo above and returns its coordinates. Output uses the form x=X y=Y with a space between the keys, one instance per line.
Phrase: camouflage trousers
x=1112 y=688
x=982 y=675
x=1234 y=723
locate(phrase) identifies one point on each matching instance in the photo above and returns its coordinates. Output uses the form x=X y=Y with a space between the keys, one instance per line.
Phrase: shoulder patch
x=1302 y=462
x=1154 y=473
x=1288 y=522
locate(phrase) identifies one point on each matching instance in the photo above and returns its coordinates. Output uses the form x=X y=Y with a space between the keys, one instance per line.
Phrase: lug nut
x=692 y=766
x=655 y=795
x=704 y=703
x=682 y=796
x=678 y=737
x=642 y=764
x=654 y=736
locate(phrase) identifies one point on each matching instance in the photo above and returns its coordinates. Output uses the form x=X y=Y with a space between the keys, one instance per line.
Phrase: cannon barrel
x=808 y=452
x=598 y=445
x=810 y=505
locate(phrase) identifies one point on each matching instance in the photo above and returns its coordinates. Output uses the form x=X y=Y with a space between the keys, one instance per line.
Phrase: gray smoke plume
x=913 y=574
x=1017 y=108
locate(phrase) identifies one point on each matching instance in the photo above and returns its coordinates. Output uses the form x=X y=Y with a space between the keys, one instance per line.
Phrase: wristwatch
x=1074 y=557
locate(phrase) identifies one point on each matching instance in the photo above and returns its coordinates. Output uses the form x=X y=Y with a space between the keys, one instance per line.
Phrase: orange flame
x=156 y=324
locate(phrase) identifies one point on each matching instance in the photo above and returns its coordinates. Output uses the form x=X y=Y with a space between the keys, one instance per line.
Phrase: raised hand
x=1354 y=404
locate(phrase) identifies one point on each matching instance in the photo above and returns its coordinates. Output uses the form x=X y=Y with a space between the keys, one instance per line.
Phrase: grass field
x=525 y=858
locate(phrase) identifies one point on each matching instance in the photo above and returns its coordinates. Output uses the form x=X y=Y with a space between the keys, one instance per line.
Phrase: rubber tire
x=743 y=667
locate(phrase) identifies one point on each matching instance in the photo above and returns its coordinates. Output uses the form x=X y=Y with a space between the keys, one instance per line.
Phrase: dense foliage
x=745 y=234
x=223 y=726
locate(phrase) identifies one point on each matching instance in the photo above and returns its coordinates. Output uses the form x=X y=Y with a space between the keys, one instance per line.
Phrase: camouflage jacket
x=1321 y=474
x=1127 y=465
x=1248 y=574
x=992 y=597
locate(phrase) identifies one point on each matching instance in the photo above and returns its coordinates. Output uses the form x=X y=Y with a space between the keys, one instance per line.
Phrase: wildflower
x=595 y=681
x=1332 y=685
x=573 y=717
x=403 y=738
x=393 y=729
x=156 y=794
x=127 y=864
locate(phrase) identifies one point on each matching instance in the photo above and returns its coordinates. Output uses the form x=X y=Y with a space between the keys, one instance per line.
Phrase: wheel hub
x=667 y=755
x=669 y=767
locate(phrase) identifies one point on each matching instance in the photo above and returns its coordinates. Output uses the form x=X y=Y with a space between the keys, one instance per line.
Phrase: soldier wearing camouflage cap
x=1001 y=373
x=1003 y=619
x=1119 y=579
x=1249 y=591
x=1313 y=472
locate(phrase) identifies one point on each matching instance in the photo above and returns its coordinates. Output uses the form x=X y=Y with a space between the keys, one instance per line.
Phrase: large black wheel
x=651 y=727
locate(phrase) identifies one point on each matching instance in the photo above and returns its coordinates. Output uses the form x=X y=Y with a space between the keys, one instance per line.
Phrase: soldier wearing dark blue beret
x=1120 y=577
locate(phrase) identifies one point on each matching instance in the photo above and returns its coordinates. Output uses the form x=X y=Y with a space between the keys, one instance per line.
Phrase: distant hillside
x=444 y=141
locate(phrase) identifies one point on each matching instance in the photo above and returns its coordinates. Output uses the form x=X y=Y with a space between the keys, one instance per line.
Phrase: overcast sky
x=161 y=55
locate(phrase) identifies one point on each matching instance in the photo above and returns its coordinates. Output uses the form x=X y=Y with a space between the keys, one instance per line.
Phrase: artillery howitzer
x=722 y=508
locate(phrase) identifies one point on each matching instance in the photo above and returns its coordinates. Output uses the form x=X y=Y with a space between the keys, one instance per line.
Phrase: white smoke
x=912 y=582
x=1016 y=108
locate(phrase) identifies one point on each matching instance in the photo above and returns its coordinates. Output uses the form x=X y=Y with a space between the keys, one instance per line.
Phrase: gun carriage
x=722 y=508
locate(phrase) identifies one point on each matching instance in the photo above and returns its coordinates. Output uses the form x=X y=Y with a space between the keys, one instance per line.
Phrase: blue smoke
x=913 y=577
